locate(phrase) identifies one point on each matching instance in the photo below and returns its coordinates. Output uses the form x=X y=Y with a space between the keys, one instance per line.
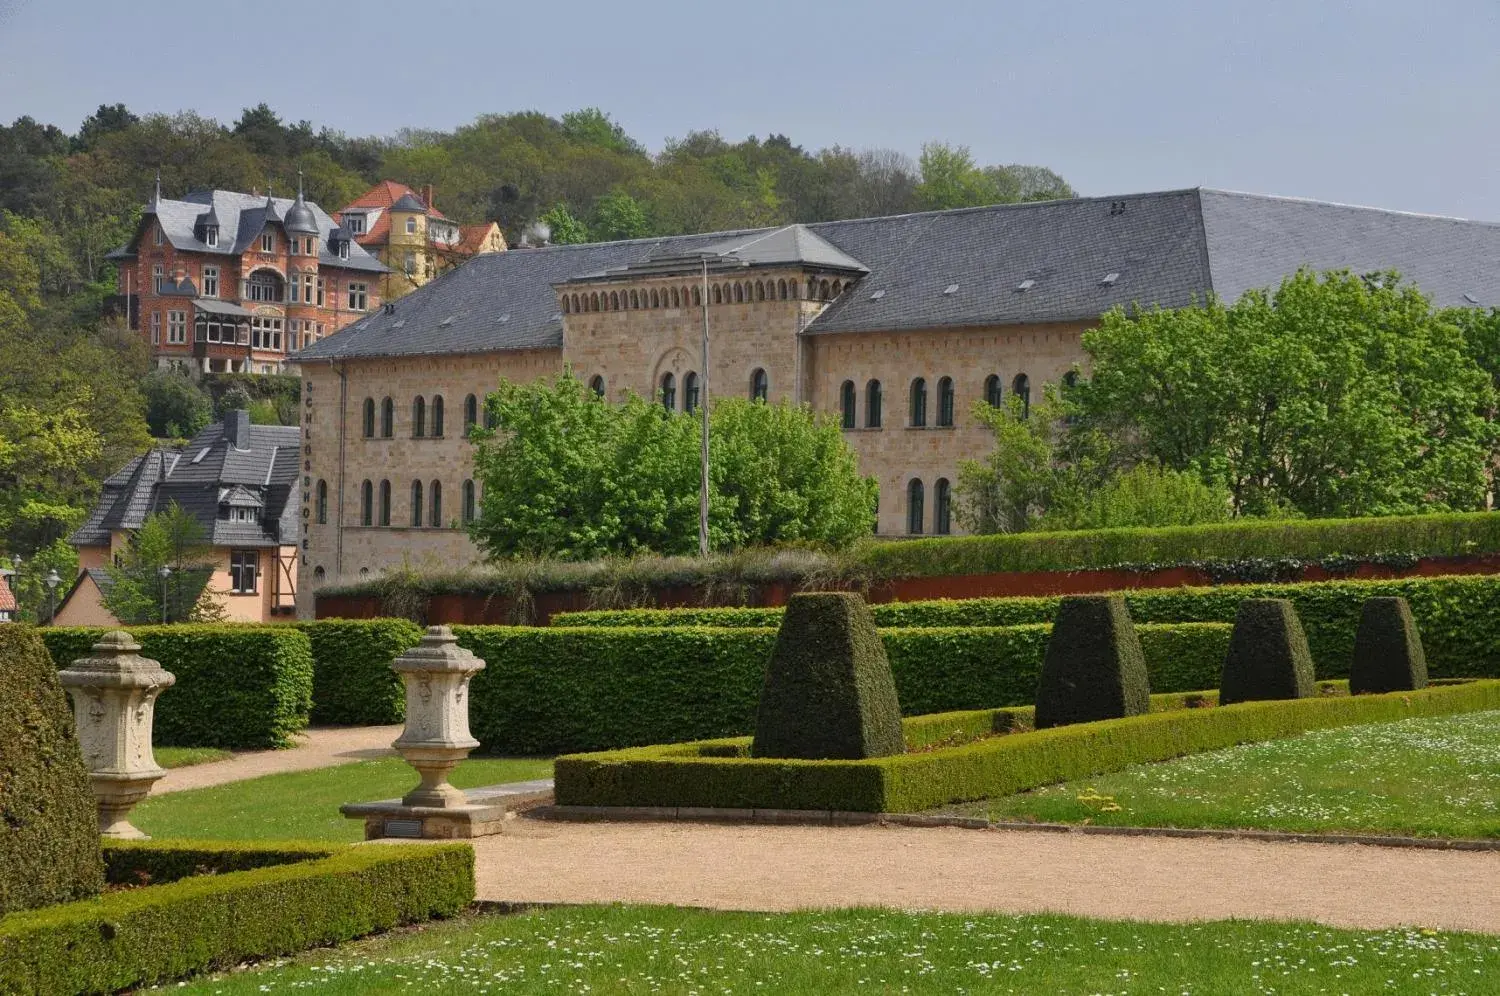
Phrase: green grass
x=183 y=757
x=304 y=805
x=1436 y=777
x=669 y=950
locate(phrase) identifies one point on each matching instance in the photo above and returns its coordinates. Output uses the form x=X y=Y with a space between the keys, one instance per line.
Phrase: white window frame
x=411 y=226
x=358 y=296
x=321 y=292
x=210 y=281
x=158 y=275
x=211 y=236
x=176 y=328
x=267 y=241
x=158 y=237
x=156 y=328
x=237 y=565
x=355 y=223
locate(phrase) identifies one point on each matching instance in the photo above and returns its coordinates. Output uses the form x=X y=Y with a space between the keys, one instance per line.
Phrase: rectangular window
x=156 y=328
x=411 y=226
x=355 y=223
x=357 y=298
x=210 y=281
x=293 y=333
x=177 y=327
x=157 y=236
x=211 y=236
x=411 y=264
x=320 y=291
x=307 y=288
x=158 y=274
x=268 y=242
x=265 y=333
x=311 y=246
x=243 y=567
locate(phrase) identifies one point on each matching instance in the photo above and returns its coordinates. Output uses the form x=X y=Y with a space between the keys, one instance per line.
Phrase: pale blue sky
x=1364 y=101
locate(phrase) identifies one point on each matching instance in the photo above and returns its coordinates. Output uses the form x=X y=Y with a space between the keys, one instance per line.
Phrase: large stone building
x=415 y=240
x=894 y=325
x=222 y=281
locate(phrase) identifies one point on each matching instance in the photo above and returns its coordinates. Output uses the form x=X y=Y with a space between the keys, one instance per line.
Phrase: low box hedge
x=238 y=687
x=1459 y=617
x=550 y=691
x=353 y=683
x=255 y=902
x=717 y=774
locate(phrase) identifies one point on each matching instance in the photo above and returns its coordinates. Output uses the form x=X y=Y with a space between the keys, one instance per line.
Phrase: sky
x=1376 y=102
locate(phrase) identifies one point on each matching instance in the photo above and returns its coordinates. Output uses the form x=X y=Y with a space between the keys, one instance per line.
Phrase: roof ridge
x=1292 y=199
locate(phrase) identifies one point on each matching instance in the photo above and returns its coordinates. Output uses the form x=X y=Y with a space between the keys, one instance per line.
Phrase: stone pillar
x=436 y=737
x=114 y=696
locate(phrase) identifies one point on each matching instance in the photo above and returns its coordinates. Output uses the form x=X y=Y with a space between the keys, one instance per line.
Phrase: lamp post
x=164 y=572
x=52 y=581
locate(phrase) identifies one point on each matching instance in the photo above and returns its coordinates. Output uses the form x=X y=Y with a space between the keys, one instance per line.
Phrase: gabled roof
x=473 y=237
x=1053 y=261
x=384 y=196
x=790 y=245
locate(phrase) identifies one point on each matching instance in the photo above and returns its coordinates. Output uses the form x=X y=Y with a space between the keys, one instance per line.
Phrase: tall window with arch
x=760 y=385
x=992 y=391
x=387 y=418
x=468 y=507
x=945 y=401
x=418 y=417
x=872 y=405
x=1021 y=388
x=416 y=504
x=322 y=501
x=471 y=413
x=435 y=505
x=367 y=424
x=385 y=503
x=366 y=503
x=915 y=510
x=668 y=392
x=942 y=507
x=917 y=416
x=848 y=404
x=596 y=385
x=692 y=392
x=437 y=416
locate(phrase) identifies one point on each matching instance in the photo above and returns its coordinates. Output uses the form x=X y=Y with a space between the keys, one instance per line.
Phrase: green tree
x=950 y=179
x=1145 y=495
x=592 y=126
x=1023 y=476
x=562 y=228
x=173 y=539
x=617 y=215
x=176 y=407
x=36 y=601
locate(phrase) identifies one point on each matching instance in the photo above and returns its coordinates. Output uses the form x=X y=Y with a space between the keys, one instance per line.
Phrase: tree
x=592 y=126
x=562 y=228
x=176 y=407
x=617 y=215
x=138 y=594
x=1023 y=477
x=108 y=119
x=565 y=474
x=950 y=179
x=1145 y=495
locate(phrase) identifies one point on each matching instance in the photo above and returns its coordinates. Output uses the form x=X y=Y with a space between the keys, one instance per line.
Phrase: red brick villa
x=223 y=281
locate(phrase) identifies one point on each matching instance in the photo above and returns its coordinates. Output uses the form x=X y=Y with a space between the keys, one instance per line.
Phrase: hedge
x=549 y=691
x=238 y=687
x=717 y=774
x=352 y=678
x=144 y=936
x=1459 y=617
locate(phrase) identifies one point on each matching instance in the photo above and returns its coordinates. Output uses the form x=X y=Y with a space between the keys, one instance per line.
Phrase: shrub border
x=309 y=895
x=684 y=776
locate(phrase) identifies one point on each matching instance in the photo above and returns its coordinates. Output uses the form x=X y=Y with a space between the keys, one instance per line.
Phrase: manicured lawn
x=182 y=757
x=1429 y=777
x=304 y=805
x=670 y=950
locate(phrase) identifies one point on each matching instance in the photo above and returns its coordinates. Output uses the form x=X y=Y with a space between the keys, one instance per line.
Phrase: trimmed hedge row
x=716 y=774
x=238 y=687
x=298 y=898
x=353 y=682
x=1458 y=617
x=549 y=691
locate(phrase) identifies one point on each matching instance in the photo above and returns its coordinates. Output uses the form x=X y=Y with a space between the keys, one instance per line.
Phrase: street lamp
x=164 y=572
x=52 y=581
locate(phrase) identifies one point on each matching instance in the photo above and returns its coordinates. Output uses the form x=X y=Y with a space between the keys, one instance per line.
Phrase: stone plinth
x=114 y=698
x=483 y=814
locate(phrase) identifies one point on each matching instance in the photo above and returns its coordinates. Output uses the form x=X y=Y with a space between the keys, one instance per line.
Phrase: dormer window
x=211 y=236
x=355 y=223
x=268 y=242
x=343 y=250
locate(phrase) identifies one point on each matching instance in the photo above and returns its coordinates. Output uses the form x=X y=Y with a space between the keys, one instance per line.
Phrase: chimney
x=237 y=428
x=427 y=197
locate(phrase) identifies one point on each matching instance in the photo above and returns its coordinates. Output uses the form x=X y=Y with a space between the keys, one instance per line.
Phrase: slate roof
x=241 y=219
x=196 y=477
x=970 y=267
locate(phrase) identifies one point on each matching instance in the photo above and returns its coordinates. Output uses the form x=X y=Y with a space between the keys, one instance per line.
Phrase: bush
x=1268 y=656
x=238 y=687
x=146 y=936
x=1387 y=649
x=1459 y=617
x=352 y=678
x=828 y=690
x=547 y=691
x=1094 y=668
x=716 y=773
x=49 y=850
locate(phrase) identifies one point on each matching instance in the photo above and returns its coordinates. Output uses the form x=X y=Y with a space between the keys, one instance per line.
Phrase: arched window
x=781 y=289
x=614 y=300
x=739 y=293
x=435 y=500
x=945 y=401
x=319 y=576
x=675 y=300
x=690 y=392
x=635 y=299
x=872 y=405
x=847 y=404
x=760 y=290
x=760 y=385
x=437 y=415
x=812 y=288
x=366 y=504
x=1070 y=379
x=655 y=298
x=385 y=503
x=915 y=512
x=794 y=290
x=596 y=384
x=367 y=426
x=594 y=301
x=992 y=391
x=718 y=295
x=387 y=418
x=567 y=306
x=917 y=413
x=467 y=512
x=471 y=413
x=942 y=510
x=669 y=391
x=416 y=504
x=838 y=288
x=418 y=417
x=824 y=291
x=1021 y=388
x=576 y=308
x=322 y=502
x=684 y=297
x=697 y=297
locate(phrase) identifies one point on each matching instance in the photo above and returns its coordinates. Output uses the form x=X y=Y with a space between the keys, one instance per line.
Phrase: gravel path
x=318 y=748
x=1141 y=878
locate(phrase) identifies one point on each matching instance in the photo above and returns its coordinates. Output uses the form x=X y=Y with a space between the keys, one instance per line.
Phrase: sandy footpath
x=1143 y=878
x=317 y=748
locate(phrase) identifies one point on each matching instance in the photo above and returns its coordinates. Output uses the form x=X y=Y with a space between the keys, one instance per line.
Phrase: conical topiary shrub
x=49 y=835
x=1094 y=667
x=1388 y=654
x=828 y=690
x=1268 y=656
